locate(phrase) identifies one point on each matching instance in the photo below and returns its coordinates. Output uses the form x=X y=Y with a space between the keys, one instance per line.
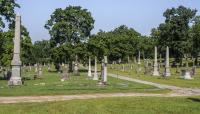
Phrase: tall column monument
x=16 y=62
x=155 y=66
x=167 y=69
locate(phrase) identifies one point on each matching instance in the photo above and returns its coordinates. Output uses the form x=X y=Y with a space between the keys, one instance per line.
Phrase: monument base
x=156 y=73
x=95 y=77
x=15 y=81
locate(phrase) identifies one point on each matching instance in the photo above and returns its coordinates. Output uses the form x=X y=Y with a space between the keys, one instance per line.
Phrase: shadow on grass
x=194 y=99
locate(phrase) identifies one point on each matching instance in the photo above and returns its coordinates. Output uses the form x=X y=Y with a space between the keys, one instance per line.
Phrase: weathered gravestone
x=16 y=62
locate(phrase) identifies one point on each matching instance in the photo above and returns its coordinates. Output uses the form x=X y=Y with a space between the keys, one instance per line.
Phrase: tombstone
x=16 y=62
x=123 y=68
x=40 y=71
x=76 y=70
x=167 y=69
x=146 y=67
x=139 y=58
x=64 y=76
x=30 y=68
x=155 y=66
x=49 y=68
x=185 y=74
x=89 y=68
x=95 y=77
x=193 y=71
x=105 y=70
x=36 y=68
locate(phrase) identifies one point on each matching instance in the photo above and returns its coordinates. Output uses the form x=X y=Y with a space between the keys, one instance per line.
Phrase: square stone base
x=16 y=81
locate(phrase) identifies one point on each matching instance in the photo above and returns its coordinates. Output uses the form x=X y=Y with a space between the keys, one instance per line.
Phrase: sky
x=142 y=15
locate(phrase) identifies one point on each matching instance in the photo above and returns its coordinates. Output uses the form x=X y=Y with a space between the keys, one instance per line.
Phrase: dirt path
x=176 y=92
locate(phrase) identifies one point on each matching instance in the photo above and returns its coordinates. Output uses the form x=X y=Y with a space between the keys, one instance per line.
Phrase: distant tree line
x=71 y=38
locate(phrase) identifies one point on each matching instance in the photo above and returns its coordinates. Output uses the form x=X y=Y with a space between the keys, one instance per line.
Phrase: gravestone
x=155 y=66
x=76 y=70
x=89 y=68
x=185 y=74
x=16 y=62
x=167 y=69
x=40 y=71
x=139 y=58
x=105 y=70
x=95 y=77
x=64 y=75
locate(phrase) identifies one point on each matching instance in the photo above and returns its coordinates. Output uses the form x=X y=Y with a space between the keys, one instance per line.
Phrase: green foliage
x=175 y=31
x=7 y=11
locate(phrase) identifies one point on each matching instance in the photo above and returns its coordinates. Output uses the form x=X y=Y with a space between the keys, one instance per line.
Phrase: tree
x=195 y=35
x=175 y=31
x=7 y=11
x=70 y=27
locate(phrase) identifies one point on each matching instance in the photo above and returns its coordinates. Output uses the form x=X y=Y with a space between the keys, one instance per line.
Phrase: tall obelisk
x=16 y=62
x=155 y=66
x=167 y=69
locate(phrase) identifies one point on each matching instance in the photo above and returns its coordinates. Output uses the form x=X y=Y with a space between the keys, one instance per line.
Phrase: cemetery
x=120 y=71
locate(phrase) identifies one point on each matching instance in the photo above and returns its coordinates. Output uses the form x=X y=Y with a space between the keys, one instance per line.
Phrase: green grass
x=76 y=85
x=172 y=80
x=122 y=105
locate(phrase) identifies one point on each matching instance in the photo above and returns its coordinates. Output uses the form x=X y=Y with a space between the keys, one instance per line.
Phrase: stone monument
x=167 y=69
x=95 y=70
x=105 y=70
x=155 y=66
x=89 y=68
x=16 y=62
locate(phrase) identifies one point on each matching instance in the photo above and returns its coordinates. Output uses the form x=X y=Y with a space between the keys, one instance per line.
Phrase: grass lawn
x=51 y=85
x=173 y=80
x=123 y=105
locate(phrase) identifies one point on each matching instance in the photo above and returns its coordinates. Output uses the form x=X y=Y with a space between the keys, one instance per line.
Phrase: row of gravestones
x=155 y=68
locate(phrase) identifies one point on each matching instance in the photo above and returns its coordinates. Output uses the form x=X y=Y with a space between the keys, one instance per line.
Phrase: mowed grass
x=174 y=79
x=50 y=84
x=122 y=105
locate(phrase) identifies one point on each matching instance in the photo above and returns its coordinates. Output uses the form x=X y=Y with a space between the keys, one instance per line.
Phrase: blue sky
x=142 y=15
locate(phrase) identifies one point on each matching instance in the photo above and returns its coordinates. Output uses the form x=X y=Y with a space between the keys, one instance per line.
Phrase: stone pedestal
x=155 y=66
x=16 y=62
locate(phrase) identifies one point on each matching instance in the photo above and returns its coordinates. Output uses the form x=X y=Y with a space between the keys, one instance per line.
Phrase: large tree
x=175 y=31
x=69 y=27
x=7 y=11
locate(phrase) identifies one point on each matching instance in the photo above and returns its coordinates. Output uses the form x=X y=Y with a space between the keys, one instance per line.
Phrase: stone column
x=16 y=62
x=167 y=69
x=105 y=70
x=155 y=66
x=95 y=70
x=89 y=68
x=139 y=58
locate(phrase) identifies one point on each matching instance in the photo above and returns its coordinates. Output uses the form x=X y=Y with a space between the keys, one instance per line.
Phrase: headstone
x=40 y=71
x=16 y=62
x=105 y=70
x=95 y=69
x=155 y=66
x=167 y=69
x=64 y=76
x=89 y=68
x=30 y=68
x=76 y=70
x=185 y=74
x=139 y=58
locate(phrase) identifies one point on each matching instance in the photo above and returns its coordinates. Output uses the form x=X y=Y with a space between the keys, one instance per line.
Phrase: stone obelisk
x=155 y=66
x=139 y=58
x=105 y=70
x=95 y=70
x=16 y=62
x=89 y=68
x=167 y=69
